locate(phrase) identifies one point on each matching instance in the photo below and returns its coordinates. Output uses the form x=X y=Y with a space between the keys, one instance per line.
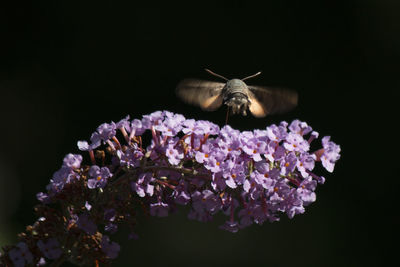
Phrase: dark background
x=67 y=67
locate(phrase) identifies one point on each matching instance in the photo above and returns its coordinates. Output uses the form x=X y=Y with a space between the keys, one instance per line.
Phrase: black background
x=67 y=67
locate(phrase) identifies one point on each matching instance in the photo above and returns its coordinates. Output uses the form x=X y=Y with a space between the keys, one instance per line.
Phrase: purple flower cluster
x=251 y=176
x=165 y=160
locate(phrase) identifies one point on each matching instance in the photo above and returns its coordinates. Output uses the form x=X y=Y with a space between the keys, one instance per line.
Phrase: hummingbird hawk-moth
x=237 y=95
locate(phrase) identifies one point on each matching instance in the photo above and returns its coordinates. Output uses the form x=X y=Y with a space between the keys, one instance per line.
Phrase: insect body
x=237 y=95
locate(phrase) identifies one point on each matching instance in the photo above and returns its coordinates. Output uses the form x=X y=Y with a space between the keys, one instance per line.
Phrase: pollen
x=206 y=155
x=294 y=145
x=229 y=149
x=218 y=163
x=287 y=164
x=233 y=175
x=275 y=189
x=266 y=175
x=254 y=151
x=98 y=178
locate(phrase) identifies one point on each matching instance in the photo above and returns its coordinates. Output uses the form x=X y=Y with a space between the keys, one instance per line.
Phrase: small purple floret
x=20 y=255
x=86 y=224
x=50 y=248
x=98 y=177
x=111 y=249
x=331 y=153
x=159 y=209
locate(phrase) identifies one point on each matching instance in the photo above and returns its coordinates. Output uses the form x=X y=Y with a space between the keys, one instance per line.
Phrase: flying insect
x=237 y=95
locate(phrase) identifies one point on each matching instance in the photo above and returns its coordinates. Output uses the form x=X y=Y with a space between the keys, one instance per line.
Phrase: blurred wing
x=205 y=94
x=265 y=100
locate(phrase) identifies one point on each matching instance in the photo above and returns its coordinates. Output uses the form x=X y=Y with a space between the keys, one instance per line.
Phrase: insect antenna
x=217 y=75
x=252 y=76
